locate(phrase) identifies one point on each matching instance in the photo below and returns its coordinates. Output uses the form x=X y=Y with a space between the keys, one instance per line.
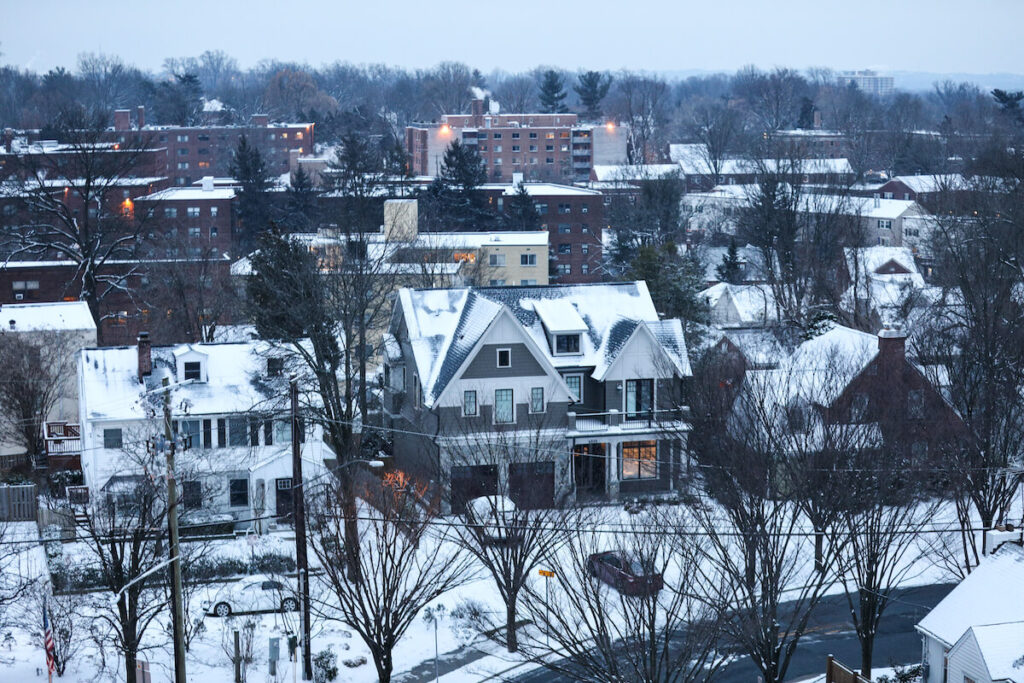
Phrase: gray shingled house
x=543 y=393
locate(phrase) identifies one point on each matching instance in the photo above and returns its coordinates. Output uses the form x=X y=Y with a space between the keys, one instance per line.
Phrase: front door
x=285 y=497
x=589 y=469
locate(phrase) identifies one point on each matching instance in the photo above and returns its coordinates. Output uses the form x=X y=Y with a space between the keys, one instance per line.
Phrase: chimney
x=140 y=116
x=892 y=347
x=878 y=200
x=259 y=120
x=145 y=356
x=401 y=220
x=9 y=139
x=123 y=119
x=207 y=183
x=476 y=108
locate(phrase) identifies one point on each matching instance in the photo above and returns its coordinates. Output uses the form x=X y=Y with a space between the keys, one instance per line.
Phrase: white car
x=252 y=594
x=494 y=516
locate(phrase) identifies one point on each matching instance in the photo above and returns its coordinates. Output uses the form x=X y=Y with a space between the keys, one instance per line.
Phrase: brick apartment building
x=574 y=219
x=543 y=147
x=190 y=219
x=193 y=152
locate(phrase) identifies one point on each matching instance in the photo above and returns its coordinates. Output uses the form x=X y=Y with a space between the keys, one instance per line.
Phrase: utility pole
x=299 y=510
x=172 y=523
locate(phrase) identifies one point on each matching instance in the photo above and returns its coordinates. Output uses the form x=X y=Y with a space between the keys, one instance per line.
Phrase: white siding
x=965 y=660
x=933 y=658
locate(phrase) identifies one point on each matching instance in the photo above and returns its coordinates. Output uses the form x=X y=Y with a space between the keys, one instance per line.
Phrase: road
x=830 y=632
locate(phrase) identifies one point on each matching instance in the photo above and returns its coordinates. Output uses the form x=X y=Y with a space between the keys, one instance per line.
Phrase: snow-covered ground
x=21 y=654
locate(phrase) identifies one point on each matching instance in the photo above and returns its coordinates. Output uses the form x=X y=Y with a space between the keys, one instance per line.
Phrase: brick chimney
x=140 y=115
x=123 y=119
x=145 y=356
x=892 y=347
x=260 y=120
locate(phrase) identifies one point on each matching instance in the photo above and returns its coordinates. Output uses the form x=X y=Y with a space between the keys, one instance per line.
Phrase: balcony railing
x=60 y=430
x=63 y=439
x=616 y=419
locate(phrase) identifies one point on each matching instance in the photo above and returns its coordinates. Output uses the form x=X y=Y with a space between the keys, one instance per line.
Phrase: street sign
x=546 y=574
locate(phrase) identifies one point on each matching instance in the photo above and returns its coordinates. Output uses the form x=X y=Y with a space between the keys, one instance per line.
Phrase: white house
x=60 y=329
x=976 y=633
x=741 y=305
x=229 y=403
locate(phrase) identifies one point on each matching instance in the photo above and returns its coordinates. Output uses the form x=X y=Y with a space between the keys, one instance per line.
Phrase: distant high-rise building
x=868 y=81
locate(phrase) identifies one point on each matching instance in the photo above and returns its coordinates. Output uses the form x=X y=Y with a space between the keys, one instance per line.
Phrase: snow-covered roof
x=611 y=173
x=180 y=194
x=539 y=189
x=58 y=315
x=751 y=305
x=750 y=257
x=932 y=183
x=559 y=316
x=872 y=259
x=991 y=594
x=692 y=159
x=236 y=380
x=760 y=347
x=866 y=207
x=445 y=325
x=887 y=277
x=1002 y=649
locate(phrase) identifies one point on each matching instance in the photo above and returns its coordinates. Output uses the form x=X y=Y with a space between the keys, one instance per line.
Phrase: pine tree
x=462 y=169
x=592 y=87
x=731 y=268
x=520 y=211
x=675 y=281
x=552 y=93
x=301 y=200
x=250 y=171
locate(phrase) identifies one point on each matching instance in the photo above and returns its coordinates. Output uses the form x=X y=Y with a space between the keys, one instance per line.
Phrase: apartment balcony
x=63 y=446
x=616 y=421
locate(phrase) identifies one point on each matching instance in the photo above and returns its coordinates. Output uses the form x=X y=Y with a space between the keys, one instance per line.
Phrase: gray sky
x=979 y=36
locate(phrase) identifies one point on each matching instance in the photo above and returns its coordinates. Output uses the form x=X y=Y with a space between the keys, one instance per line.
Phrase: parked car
x=493 y=516
x=624 y=574
x=252 y=594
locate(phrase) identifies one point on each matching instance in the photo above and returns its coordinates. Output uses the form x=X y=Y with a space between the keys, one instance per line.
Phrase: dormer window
x=194 y=371
x=567 y=343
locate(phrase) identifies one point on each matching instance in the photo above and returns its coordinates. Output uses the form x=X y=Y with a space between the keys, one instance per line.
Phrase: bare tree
x=598 y=633
x=718 y=127
x=641 y=101
x=76 y=211
x=67 y=623
x=39 y=369
x=406 y=564
x=517 y=94
x=448 y=86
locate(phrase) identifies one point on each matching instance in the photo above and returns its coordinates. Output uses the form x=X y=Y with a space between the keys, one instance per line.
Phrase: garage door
x=532 y=484
x=472 y=481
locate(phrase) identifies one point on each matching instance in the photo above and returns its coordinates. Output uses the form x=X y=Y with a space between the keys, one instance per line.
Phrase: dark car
x=624 y=574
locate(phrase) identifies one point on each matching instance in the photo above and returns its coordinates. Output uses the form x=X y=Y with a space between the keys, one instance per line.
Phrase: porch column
x=611 y=468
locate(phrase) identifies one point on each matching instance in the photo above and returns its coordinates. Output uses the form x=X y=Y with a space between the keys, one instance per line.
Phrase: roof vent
x=13 y=323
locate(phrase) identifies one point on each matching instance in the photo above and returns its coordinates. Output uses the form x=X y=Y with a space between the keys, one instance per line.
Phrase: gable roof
x=1001 y=647
x=754 y=304
x=445 y=325
x=991 y=594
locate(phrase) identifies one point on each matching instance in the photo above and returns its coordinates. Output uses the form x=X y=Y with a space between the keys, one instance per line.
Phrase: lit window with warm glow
x=464 y=256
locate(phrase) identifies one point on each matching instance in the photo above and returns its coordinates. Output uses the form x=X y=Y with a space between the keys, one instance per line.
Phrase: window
x=515 y=148
x=915 y=404
x=182 y=138
x=190 y=432
x=584 y=209
x=549 y=160
x=567 y=343
x=585 y=248
x=537 y=400
x=533 y=136
x=564 y=269
x=237 y=432
x=497 y=160
x=533 y=148
x=515 y=136
x=182 y=152
x=112 y=438
x=639 y=398
x=207 y=434
x=469 y=403
x=481 y=148
x=564 y=229
x=565 y=248
x=275 y=367
x=527 y=283
x=504 y=410
x=497 y=283
x=575 y=384
x=170 y=212
x=549 y=136
x=10 y=209
x=213 y=211
x=585 y=268
x=497 y=148
x=193 y=370
x=858 y=407
x=497 y=136
x=496 y=260
x=565 y=208
x=542 y=208
x=885 y=225
x=191 y=495
x=888 y=195
x=182 y=165
x=239 y=493
x=527 y=259
x=254 y=432
x=193 y=212
x=222 y=432
x=504 y=358
x=194 y=232
x=640 y=460
x=549 y=148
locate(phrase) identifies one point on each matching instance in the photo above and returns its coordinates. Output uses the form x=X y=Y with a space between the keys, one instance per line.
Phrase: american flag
x=51 y=663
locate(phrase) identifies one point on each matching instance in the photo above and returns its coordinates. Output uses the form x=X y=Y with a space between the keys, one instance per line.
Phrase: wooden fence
x=837 y=673
x=18 y=503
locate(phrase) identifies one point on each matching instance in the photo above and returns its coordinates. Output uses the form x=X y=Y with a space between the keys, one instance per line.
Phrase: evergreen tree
x=552 y=93
x=807 y=108
x=592 y=87
x=520 y=211
x=675 y=281
x=250 y=171
x=731 y=268
x=462 y=169
x=302 y=207
x=179 y=101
